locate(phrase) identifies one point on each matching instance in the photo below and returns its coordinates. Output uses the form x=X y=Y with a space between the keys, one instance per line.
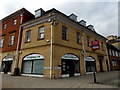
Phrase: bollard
x=94 y=77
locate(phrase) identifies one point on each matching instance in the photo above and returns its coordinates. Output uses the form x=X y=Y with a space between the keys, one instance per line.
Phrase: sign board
x=33 y=57
x=7 y=59
x=89 y=59
x=47 y=67
x=70 y=56
x=95 y=45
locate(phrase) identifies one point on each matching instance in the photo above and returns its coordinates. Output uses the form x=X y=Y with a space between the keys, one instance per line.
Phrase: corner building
x=55 y=45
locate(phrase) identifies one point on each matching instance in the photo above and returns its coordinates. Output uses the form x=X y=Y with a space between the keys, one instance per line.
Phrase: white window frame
x=78 y=37
x=14 y=22
x=64 y=33
x=110 y=52
x=116 y=53
x=114 y=63
x=113 y=53
x=4 y=26
x=41 y=31
x=1 y=42
x=11 y=40
x=28 y=36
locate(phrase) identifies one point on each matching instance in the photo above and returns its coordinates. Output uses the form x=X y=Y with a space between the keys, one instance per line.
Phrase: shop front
x=90 y=65
x=33 y=65
x=70 y=65
x=6 y=65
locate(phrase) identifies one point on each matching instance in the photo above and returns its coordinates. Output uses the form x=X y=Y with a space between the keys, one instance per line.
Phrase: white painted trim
x=90 y=72
x=2 y=72
x=77 y=74
x=65 y=75
x=32 y=75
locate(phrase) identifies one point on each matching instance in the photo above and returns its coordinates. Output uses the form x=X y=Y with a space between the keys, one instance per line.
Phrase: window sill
x=65 y=39
x=27 y=42
x=79 y=43
x=40 y=39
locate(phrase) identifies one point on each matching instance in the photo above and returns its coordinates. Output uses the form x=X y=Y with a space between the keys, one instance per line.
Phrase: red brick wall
x=10 y=28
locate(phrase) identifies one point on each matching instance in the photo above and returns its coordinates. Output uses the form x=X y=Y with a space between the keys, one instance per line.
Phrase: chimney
x=91 y=27
x=39 y=12
x=82 y=22
x=73 y=17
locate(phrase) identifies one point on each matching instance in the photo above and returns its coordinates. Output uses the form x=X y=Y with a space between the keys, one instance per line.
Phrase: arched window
x=33 y=64
x=70 y=65
x=90 y=64
x=6 y=64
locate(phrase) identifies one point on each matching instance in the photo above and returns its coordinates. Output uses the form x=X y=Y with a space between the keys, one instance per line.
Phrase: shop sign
x=70 y=56
x=47 y=67
x=33 y=57
x=57 y=67
x=89 y=59
x=95 y=45
x=7 y=59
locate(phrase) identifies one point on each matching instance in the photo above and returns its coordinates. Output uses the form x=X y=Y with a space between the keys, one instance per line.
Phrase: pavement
x=104 y=80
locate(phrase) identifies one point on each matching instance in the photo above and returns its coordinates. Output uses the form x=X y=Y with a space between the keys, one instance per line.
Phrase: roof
x=18 y=12
x=60 y=13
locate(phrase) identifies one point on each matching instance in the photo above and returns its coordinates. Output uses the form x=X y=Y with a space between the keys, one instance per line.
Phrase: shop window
x=4 y=26
x=64 y=33
x=78 y=37
x=88 y=41
x=114 y=63
x=11 y=41
x=27 y=67
x=41 y=32
x=1 y=42
x=14 y=22
x=33 y=64
x=90 y=64
x=28 y=34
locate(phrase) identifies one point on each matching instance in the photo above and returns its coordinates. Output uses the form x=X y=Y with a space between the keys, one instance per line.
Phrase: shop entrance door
x=72 y=68
x=6 y=66
x=100 y=63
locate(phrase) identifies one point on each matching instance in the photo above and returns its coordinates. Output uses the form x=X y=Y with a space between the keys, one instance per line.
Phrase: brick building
x=55 y=45
x=10 y=38
x=114 y=57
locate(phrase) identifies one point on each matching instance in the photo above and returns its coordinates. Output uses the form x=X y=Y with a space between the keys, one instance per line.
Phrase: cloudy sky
x=102 y=14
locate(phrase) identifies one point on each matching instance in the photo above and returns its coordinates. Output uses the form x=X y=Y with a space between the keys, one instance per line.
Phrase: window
x=78 y=37
x=110 y=52
x=14 y=22
x=1 y=42
x=88 y=41
x=28 y=33
x=64 y=33
x=11 y=40
x=41 y=32
x=116 y=53
x=102 y=45
x=4 y=26
x=113 y=53
x=114 y=63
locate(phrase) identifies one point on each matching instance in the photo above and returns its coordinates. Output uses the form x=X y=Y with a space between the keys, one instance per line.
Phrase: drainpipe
x=51 y=50
x=16 y=69
x=83 y=50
